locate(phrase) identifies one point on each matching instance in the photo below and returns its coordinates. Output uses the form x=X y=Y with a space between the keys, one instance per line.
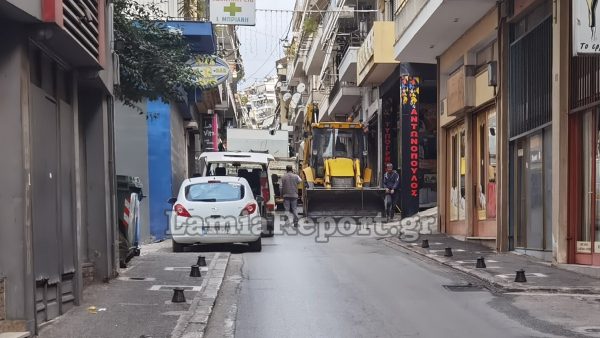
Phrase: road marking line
x=528 y=274
x=183 y=268
x=192 y=288
x=137 y=279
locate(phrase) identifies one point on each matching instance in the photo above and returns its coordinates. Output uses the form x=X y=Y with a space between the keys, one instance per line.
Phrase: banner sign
x=409 y=96
x=210 y=71
x=233 y=12
x=586 y=19
x=210 y=133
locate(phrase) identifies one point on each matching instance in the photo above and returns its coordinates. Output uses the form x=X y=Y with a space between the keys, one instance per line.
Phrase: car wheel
x=256 y=246
x=177 y=247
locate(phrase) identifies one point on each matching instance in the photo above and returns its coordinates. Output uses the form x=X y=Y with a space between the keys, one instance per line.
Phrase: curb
x=193 y=323
x=504 y=286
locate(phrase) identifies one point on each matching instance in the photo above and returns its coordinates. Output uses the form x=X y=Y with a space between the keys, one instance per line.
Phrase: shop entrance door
x=484 y=170
x=456 y=146
x=587 y=249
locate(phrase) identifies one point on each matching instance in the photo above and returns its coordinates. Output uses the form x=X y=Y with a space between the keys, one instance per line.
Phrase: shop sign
x=365 y=52
x=586 y=19
x=210 y=71
x=409 y=100
x=210 y=133
x=584 y=247
x=233 y=12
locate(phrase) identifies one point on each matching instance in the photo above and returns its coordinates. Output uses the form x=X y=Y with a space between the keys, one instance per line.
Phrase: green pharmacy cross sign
x=232 y=9
x=233 y=12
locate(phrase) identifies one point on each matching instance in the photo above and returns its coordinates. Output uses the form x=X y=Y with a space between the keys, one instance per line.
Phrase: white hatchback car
x=215 y=209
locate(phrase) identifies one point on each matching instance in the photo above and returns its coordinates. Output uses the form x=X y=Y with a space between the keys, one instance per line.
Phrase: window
x=214 y=192
x=486 y=55
x=486 y=165
x=457 y=154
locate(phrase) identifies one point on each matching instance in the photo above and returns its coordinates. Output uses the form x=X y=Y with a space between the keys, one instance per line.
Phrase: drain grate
x=463 y=287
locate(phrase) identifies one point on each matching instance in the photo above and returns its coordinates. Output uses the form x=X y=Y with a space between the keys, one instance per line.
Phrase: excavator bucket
x=341 y=202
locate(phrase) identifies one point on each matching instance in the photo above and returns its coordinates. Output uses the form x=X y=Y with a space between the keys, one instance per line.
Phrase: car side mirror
x=172 y=200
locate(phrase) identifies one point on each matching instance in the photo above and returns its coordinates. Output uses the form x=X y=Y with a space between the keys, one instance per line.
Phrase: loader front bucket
x=343 y=202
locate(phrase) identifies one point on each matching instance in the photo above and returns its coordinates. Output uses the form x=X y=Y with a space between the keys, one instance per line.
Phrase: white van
x=254 y=167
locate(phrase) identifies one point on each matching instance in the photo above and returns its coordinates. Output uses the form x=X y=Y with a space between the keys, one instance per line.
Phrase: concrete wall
x=13 y=262
x=179 y=151
x=131 y=152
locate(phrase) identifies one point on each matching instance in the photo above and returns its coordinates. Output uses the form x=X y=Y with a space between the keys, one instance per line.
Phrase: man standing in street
x=391 y=181
x=289 y=191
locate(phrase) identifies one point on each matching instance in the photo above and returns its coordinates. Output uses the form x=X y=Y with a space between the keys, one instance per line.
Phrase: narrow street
x=359 y=287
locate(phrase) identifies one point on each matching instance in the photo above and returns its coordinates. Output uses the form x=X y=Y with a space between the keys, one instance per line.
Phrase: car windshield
x=214 y=192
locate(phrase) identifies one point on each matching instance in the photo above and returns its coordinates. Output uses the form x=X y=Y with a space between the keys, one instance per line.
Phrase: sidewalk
x=138 y=303
x=501 y=267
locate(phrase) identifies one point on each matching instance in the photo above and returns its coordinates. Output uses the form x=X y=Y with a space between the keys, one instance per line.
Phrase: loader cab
x=329 y=143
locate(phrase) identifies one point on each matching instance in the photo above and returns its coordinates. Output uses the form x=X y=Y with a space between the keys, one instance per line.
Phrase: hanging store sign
x=210 y=133
x=409 y=100
x=233 y=12
x=586 y=21
x=210 y=71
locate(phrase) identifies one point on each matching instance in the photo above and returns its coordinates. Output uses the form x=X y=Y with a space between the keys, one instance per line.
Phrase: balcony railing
x=337 y=87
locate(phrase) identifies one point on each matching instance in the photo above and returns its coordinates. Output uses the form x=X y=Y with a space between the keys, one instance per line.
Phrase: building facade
x=57 y=219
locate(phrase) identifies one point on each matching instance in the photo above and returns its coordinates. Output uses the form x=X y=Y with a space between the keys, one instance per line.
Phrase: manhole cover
x=463 y=287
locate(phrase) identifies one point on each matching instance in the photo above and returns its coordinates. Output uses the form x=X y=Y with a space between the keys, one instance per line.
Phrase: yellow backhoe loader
x=338 y=183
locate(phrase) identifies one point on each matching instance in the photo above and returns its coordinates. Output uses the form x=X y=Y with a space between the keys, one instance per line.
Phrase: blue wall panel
x=159 y=167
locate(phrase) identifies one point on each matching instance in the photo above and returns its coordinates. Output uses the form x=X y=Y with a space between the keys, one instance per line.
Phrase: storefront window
x=532 y=197
x=486 y=165
x=457 y=159
x=589 y=231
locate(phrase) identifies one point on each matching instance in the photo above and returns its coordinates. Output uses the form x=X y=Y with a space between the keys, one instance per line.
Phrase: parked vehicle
x=254 y=167
x=215 y=209
x=273 y=142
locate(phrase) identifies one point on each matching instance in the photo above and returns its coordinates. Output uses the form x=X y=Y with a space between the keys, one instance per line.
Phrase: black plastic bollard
x=201 y=261
x=480 y=263
x=178 y=296
x=195 y=272
x=520 y=277
x=448 y=252
x=425 y=244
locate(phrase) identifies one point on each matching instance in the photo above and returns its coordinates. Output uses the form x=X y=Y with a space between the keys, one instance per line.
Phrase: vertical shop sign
x=409 y=95
x=208 y=143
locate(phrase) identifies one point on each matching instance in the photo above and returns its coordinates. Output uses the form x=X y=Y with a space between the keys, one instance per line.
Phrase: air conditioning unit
x=461 y=90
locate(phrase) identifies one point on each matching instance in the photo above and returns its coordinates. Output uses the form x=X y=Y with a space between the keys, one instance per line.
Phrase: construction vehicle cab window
x=338 y=180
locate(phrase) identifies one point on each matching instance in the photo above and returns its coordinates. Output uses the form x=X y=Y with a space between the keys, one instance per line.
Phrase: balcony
x=342 y=99
x=295 y=70
x=424 y=29
x=316 y=55
x=375 y=58
x=347 y=69
x=323 y=106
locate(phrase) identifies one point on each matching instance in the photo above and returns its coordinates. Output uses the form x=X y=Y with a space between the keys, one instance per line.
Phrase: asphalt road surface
x=359 y=287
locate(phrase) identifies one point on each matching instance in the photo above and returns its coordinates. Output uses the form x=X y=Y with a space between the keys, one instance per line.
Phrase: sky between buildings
x=261 y=45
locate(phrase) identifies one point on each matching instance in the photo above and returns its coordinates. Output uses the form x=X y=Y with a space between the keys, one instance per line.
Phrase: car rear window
x=214 y=192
